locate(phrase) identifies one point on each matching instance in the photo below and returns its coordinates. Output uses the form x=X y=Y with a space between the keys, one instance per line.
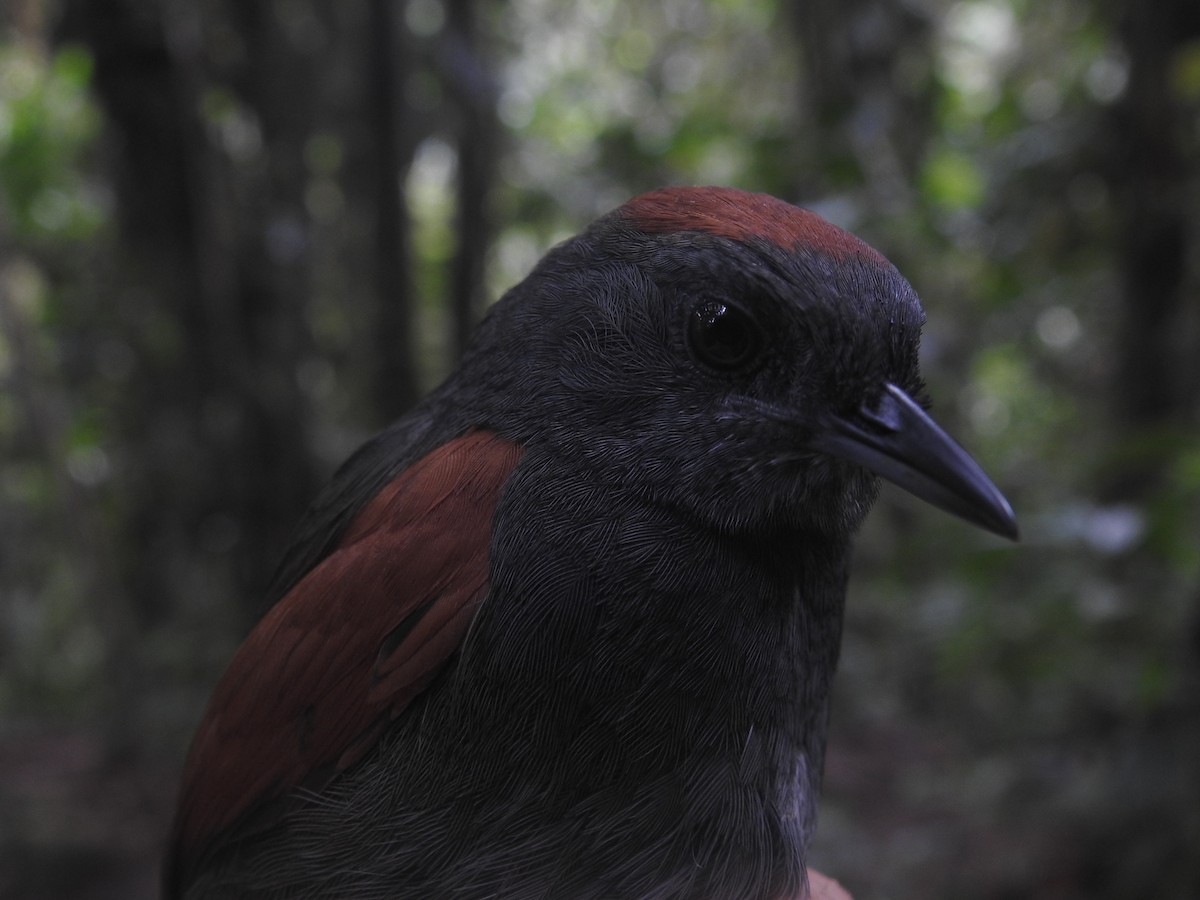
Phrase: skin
x=568 y=630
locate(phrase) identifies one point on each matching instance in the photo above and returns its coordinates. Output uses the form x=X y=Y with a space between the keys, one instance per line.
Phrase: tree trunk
x=395 y=381
x=473 y=88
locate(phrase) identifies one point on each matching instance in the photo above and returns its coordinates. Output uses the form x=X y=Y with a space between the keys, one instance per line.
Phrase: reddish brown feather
x=335 y=659
x=730 y=213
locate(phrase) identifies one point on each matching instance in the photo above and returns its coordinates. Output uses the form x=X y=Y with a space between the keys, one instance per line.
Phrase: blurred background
x=238 y=236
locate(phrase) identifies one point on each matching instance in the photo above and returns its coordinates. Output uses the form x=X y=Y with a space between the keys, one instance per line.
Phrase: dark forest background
x=238 y=236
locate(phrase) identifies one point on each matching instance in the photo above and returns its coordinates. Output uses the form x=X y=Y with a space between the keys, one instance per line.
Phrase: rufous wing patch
x=352 y=643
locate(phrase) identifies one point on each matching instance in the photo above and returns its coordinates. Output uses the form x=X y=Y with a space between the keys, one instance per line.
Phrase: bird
x=568 y=628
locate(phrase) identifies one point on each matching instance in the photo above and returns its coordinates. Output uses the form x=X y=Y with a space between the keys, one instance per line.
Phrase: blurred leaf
x=952 y=179
x=47 y=123
x=1186 y=72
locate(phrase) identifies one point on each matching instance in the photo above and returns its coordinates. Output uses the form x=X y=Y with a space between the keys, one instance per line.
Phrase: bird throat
x=686 y=707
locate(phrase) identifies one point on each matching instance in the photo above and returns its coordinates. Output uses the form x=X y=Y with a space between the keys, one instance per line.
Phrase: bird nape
x=567 y=630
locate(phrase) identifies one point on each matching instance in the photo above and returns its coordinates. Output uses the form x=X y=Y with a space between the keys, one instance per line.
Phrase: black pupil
x=722 y=336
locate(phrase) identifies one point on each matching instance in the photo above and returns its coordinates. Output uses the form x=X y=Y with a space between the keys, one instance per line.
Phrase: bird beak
x=898 y=441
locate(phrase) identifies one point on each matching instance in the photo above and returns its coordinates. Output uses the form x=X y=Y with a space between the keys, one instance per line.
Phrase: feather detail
x=729 y=213
x=351 y=644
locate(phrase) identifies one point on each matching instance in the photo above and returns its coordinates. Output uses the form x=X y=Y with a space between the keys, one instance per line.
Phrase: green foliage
x=47 y=123
x=52 y=207
x=953 y=180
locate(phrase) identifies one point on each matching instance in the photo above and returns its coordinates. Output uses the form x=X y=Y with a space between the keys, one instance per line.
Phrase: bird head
x=729 y=355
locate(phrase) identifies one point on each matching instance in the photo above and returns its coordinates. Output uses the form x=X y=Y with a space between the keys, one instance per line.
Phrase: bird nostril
x=882 y=410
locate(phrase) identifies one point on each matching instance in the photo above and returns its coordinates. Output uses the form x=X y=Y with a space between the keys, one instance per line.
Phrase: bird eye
x=722 y=336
